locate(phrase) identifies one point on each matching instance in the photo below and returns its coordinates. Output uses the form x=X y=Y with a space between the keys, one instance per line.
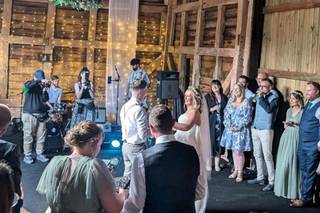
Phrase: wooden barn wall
x=291 y=45
x=72 y=39
x=210 y=37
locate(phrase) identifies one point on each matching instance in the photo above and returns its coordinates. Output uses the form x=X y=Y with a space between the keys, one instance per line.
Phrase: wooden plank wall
x=73 y=39
x=212 y=33
x=291 y=43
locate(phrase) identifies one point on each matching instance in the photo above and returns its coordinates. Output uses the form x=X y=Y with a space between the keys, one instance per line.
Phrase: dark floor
x=225 y=194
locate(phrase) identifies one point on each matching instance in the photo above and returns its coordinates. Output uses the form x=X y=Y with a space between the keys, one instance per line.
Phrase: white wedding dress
x=199 y=138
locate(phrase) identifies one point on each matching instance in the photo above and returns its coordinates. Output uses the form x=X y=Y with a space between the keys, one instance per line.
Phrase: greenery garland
x=79 y=4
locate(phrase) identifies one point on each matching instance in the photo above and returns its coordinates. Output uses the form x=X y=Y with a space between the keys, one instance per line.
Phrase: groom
x=309 y=145
x=164 y=177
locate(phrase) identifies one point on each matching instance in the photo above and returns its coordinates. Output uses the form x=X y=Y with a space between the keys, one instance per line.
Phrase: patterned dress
x=239 y=118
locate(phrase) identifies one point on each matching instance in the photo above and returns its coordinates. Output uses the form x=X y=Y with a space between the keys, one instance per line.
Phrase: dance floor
x=225 y=194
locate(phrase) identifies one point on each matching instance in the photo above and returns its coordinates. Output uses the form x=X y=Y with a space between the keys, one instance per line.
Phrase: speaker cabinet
x=167 y=84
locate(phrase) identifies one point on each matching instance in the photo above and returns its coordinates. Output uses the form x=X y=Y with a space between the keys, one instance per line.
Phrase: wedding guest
x=236 y=135
x=309 y=145
x=216 y=102
x=7 y=188
x=81 y=182
x=287 y=175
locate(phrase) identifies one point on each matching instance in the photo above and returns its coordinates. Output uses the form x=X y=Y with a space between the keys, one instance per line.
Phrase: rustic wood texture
x=285 y=6
x=73 y=39
x=283 y=51
x=213 y=25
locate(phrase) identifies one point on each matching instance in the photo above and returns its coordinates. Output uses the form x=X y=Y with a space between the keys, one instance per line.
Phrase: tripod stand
x=118 y=81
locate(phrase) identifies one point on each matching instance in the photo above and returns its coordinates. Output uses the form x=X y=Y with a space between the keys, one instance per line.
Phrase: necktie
x=309 y=105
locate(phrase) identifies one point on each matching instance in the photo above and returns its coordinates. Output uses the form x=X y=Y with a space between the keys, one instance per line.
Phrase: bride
x=193 y=129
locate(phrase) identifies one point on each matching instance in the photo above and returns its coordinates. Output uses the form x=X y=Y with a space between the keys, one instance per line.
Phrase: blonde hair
x=196 y=98
x=242 y=91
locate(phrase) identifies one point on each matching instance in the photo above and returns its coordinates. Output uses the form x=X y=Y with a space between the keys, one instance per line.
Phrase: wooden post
x=196 y=72
x=237 y=65
x=247 y=48
x=182 y=57
x=168 y=34
x=4 y=60
x=91 y=39
x=219 y=41
x=48 y=65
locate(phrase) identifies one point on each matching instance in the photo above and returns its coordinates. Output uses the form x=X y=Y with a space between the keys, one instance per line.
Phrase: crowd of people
x=173 y=174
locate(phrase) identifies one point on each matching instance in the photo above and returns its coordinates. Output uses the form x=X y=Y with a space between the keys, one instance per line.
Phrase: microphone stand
x=118 y=81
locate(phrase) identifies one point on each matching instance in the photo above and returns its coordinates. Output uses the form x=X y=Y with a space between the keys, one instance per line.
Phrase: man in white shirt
x=134 y=121
x=164 y=177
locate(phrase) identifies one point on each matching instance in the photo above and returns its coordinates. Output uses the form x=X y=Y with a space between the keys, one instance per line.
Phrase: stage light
x=115 y=144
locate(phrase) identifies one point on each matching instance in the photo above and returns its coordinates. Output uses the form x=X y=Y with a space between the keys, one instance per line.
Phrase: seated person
x=10 y=154
x=81 y=182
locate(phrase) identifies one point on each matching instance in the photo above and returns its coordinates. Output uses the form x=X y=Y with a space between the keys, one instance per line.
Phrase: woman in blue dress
x=236 y=135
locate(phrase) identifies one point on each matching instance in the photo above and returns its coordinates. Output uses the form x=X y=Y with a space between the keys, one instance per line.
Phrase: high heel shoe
x=239 y=177
x=233 y=175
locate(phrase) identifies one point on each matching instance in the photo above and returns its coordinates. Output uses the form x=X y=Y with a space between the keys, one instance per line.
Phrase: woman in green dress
x=287 y=175
x=80 y=182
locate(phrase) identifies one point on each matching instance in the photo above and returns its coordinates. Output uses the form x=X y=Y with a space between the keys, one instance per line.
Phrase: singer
x=84 y=107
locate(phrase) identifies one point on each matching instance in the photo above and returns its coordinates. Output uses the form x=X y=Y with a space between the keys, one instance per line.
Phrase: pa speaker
x=167 y=85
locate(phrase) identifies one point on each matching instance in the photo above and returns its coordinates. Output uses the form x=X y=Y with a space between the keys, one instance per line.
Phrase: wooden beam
x=223 y=52
x=186 y=7
x=196 y=70
x=247 y=48
x=285 y=7
x=168 y=22
x=182 y=50
x=215 y=3
x=70 y=43
x=294 y=75
x=219 y=41
x=182 y=57
x=91 y=39
x=49 y=36
x=4 y=60
x=237 y=65
x=152 y=9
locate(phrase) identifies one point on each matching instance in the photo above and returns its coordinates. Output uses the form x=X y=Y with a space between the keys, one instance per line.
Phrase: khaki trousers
x=262 y=151
x=33 y=128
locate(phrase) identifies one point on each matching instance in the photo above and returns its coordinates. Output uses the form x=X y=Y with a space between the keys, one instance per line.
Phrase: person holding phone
x=287 y=168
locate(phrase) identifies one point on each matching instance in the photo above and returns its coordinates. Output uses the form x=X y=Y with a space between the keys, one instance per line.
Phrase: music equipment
x=100 y=115
x=167 y=84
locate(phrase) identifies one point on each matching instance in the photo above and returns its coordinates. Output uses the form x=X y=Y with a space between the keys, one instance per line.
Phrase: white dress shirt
x=134 y=120
x=137 y=192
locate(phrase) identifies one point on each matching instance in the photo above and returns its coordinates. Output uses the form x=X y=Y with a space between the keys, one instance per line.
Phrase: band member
x=34 y=116
x=54 y=91
x=136 y=73
x=84 y=105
